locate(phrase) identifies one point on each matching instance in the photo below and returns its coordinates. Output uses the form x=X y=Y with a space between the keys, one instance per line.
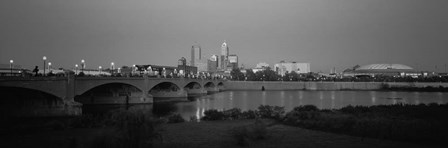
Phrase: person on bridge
x=36 y=69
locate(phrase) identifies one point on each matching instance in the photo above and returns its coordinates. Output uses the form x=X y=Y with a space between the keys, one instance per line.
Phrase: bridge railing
x=31 y=78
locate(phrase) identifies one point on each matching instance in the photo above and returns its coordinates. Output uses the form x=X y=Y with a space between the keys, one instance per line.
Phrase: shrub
x=305 y=108
x=250 y=114
x=175 y=118
x=232 y=114
x=274 y=112
x=213 y=115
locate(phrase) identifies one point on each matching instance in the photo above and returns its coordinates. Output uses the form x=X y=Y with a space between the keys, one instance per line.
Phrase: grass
x=413 y=123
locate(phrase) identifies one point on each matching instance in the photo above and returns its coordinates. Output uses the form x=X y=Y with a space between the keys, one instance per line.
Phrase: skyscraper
x=224 y=56
x=224 y=49
x=195 y=54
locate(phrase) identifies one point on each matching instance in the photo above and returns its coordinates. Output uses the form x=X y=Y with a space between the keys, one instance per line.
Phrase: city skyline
x=325 y=34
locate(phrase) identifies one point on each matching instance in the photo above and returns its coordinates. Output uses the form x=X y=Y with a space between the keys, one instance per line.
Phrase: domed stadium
x=373 y=70
x=385 y=66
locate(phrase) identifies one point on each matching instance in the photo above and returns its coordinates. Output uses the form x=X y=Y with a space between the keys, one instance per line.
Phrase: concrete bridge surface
x=69 y=93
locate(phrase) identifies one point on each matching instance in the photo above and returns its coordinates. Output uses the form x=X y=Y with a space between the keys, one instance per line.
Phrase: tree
x=237 y=74
x=250 y=75
x=266 y=75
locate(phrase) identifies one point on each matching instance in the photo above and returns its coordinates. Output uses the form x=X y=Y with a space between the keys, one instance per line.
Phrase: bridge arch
x=209 y=85
x=193 y=85
x=84 y=88
x=165 y=86
x=104 y=93
x=19 y=101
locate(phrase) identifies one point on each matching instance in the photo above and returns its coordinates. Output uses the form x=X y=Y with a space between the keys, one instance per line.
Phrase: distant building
x=233 y=61
x=373 y=70
x=223 y=59
x=212 y=63
x=260 y=67
x=224 y=49
x=201 y=65
x=183 y=68
x=195 y=54
x=287 y=67
x=7 y=70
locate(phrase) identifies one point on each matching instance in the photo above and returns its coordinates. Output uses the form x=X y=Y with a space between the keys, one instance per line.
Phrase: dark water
x=246 y=100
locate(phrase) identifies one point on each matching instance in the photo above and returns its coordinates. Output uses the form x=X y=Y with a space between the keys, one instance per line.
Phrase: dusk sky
x=324 y=33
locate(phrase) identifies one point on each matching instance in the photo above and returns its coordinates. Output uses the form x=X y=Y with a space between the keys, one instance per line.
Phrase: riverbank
x=203 y=134
x=287 y=85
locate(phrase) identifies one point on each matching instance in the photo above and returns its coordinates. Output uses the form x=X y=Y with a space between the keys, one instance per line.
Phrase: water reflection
x=263 y=97
x=246 y=100
x=373 y=94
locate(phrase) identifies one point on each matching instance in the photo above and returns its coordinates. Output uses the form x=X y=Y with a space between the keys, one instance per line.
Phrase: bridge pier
x=212 y=90
x=196 y=92
x=168 y=95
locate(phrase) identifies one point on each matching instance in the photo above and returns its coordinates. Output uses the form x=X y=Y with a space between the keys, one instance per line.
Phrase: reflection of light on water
x=230 y=102
x=417 y=97
x=263 y=98
x=198 y=115
x=440 y=94
x=393 y=95
x=373 y=94
x=300 y=97
x=202 y=113
x=332 y=100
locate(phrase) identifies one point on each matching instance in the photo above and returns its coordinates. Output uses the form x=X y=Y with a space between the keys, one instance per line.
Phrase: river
x=246 y=100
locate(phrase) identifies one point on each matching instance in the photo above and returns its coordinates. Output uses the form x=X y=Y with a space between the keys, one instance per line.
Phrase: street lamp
x=76 y=69
x=82 y=65
x=133 y=69
x=112 y=65
x=45 y=59
x=99 y=69
x=49 y=66
x=10 y=65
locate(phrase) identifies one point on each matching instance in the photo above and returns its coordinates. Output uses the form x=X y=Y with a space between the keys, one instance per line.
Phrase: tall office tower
x=224 y=56
x=195 y=54
x=224 y=49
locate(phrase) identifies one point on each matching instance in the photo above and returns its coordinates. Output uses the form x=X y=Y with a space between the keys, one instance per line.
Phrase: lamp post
x=112 y=65
x=82 y=65
x=49 y=66
x=133 y=70
x=99 y=69
x=10 y=65
x=76 y=69
x=45 y=60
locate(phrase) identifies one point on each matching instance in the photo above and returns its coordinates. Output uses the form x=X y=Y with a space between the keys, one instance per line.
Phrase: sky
x=324 y=33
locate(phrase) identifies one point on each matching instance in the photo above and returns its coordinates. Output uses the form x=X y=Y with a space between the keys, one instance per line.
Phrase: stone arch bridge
x=71 y=91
